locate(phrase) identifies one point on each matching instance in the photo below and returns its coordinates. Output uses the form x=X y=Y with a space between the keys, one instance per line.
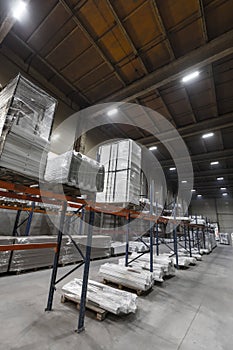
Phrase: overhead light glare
x=190 y=76
x=199 y=195
x=153 y=148
x=19 y=9
x=206 y=136
x=223 y=188
x=193 y=190
x=214 y=163
x=220 y=178
x=36 y=185
x=225 y=194
x=112 y=112
x=172 y=168
x=184 y=181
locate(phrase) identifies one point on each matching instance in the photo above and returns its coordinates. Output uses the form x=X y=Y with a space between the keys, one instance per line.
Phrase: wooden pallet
x=99 y=312
x=127 y=288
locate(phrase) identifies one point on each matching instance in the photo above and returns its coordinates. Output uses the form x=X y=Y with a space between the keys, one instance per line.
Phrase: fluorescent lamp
x=19 y=9
x=153 y=148
x=190 y=76
x=206 y=136
x=223 y=188
x=214 y=163
x=184 y=181
x=193 y=190
x=220 y=178
x=172 y=169
x=36 y=185
x=199 y=195
x=225 y=194
x=112 y=112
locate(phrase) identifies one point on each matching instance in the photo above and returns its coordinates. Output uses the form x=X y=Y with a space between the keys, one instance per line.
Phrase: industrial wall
x=217 y=210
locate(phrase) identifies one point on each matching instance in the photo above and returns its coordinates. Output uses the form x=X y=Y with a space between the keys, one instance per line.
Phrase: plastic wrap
x=108 y=298
x=26 y=117
x=74 y=169
x=134 y=278
x=5 y=256
x=122 y=181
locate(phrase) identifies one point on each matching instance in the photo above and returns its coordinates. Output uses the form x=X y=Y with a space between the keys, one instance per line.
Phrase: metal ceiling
x=138 y=50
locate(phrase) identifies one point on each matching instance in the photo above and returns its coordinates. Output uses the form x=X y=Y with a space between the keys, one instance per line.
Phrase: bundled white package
x=194 y=251
x=118 y=248
x=5 y=255
x=122 y=181
x=108 y=298
x=26 y=117
x=137 y=247
x=75 y=169
x=134 y=278
x=224 y=238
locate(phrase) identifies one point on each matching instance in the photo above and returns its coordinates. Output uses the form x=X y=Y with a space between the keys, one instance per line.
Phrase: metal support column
x=56 y=258
x=29 y=221
x=151 y=226
x=190 y=246
x=86 y=274
x=16 y=224
x=157 y=231
x=185 y=238
x=175 y=238
x=81 y=222
x=127 y=241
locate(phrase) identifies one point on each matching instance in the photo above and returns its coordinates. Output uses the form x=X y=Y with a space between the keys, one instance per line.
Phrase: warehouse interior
x=116 y=174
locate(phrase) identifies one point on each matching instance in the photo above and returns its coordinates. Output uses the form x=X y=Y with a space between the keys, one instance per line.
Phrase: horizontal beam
x=196 y=59
x=11 y=247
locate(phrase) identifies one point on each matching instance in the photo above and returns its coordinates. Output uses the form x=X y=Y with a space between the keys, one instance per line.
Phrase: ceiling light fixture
x=199 y=195
x=220 y=178
x=190 y=76
x=214 y=163
x=206 y=136
x=153 y=148
x=184 y=181
x=172 y=169
x=36 y=185
x=223 y=188
x=225 y=194
x=112 y=112
x=19 y=9
x=193 y=190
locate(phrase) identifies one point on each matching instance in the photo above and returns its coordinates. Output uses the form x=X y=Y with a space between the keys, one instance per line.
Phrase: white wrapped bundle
x=108 y=298
x=194 y=251
x=134 y=278
x=137 y=247
x=118 y=248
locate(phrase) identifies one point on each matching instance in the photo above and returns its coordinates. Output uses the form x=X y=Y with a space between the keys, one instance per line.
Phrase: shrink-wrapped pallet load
x=26 y=117
x=5 y=255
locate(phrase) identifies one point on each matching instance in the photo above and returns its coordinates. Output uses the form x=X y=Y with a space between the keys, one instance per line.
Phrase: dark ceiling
x=137 y=51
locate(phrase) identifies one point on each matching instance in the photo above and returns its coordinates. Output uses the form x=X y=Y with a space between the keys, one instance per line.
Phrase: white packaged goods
x=194 y=252
x=224 y=238
x=108 y=298
x=122 y=181
x=26 y=117
x=162 y=262
x=158 y=270
x=5 y=256
x=137 y=247
x=118 y=248
x=184 y=261
x=134 y=278
x=75 y=169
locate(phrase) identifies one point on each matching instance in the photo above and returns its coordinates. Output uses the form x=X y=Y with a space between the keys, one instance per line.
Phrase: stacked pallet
x=76 y=170
x=101 y=248
x=33 y=258
x=158 y=272
x=25 y=125
x=107 y=298
x=134 y=278
x=5 y=256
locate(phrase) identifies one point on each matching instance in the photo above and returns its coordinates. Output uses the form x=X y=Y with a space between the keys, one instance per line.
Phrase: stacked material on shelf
x=210 y=243
x=76 y=170
x=194 y=252
x=184 y=261
x=158 y=270
x=224 y=238
x=117 y=248
x=122 y=163
x=160 y=262
x=108 y=298
x=134 y=278
x=183 y=256
x=137 y=247
x=5 y=256
x=197 y=220
x=101 y=248
x=33 y=258
x=26 y=117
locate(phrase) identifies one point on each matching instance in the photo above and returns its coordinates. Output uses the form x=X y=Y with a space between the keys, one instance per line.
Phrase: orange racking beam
x=10 y=247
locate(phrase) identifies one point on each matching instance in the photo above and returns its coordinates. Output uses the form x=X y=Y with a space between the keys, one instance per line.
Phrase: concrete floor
x=193 y=310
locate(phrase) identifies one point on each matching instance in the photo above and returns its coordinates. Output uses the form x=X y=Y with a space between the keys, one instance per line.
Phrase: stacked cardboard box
x=26 y=116
x=122 y=163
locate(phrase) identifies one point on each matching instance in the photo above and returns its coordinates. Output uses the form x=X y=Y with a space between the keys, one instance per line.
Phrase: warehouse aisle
x=193 y=310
